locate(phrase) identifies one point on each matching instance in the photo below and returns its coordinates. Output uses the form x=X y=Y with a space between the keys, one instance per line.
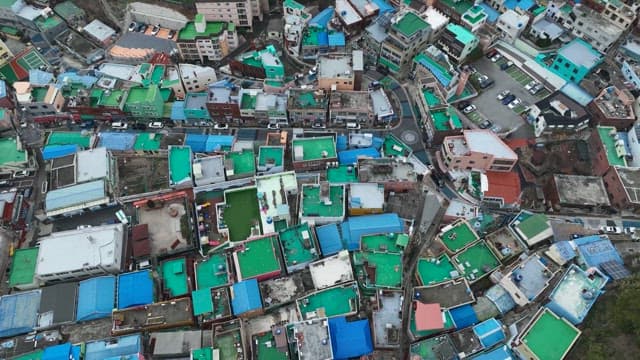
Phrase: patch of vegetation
x=612 y=328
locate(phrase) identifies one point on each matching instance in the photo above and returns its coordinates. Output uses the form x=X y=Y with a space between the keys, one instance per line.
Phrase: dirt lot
x=141 y=173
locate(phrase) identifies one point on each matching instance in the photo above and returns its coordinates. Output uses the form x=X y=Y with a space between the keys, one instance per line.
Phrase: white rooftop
x=331 y=270
x=347 y=13
x=92 y=164
x=68 y=251
x=381 y=104
x=435 y=18
x=270 y=185
x=335 y=67
x=366 y=196
x=99 y=30
x=119 y=71
x=485 y=141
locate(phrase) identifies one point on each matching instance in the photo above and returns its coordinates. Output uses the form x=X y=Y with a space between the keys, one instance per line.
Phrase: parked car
x=505 y=66
x=20 y=174
x=496 y=57
x=155 y=30
x=139 y=126
x=530 y=85
x=119 y=125
x=486 y=84
x=536 y=89
x=156 y=125
x=463 y=104
x=353 y=126
x=485 y=124
x=273 y=126
x=507 y=99
x=503 y=94
x=171 y=34
x=629 y=230
x=318 y=126
x=496 y=128
x=133 y=26
x=514 y=103
x=491 y=53
x=219 y=126
x=469 y=109
x=142 y=28
x=611 y=229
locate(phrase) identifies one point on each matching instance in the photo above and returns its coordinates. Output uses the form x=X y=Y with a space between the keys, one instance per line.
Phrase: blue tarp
x=489 y=332
x=337 y=39
x=576 y=93
x=564 y=249
x=596 y=250
x=492 y=14
x=59 y=352
x=118 y=141
x=198 y=143
x=464 y=316
x=114 y=348
x=135 y=288
x=350 y=157
x=323 y=39
x=73 y=78
x=245 y=297
x=500 y=298
x=95 y=298
x=39 y=77
x=384 y=6
x=329 y=239
x=177 y=111
x=323 y=18
x=19 y=312
x=341 y=142
x=355 y=227
x=522 y=4
x=350 y=339
x=55 y=151
x=3 y=89
x=501 y=353
x=377 y=142
x=216 y=142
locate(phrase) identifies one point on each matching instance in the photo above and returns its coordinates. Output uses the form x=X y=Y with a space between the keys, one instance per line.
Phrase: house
x=574 y=61
x=512 y=24
x=145 y=102
x=613 y=148
x=50 y=25
x=599 y=31
x=622 y=185
x=407 y=34
x=206 y=41
x=262 y=64
x=350 y=107
x=307 y=107
x=195 y=78
x=434 y=63
x=496 y=189
x=223 y=103
x=575 y=191
x=100 y=32
x=338 y=72
x=531 y=228
x=613 y=107
x=275 y=28
x=479 y=150
x=239 y=12
x=557 y=114
x=72 y=14
x=457 y=42
x=245 y=298
x=40 y=101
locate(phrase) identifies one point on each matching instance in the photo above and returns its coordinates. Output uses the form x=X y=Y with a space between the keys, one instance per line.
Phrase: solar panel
x=615 y=270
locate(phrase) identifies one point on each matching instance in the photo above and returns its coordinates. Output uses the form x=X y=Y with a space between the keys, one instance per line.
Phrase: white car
x=530 y=85
x=119 y=125
x=496 y=57
x=469 y=109
x=611 y=229
x=155 y=125
x=503 y=94
x=20 y=174
x=514 y=103
x=273 y=126
x=219 y=126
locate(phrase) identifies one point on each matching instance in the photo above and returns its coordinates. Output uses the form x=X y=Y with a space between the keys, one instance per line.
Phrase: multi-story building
x=39 y=101
x=239 y=12
x=339 y=71
x=307 y=107
x=592 y=27
x=9 y=9
x=261 y=64
x=50 y=25
x=574 y=61
x=623 y=187
x=434 y=63
x=408 y=34
x=557 y=114
x=196 y=78
x=438 y=118
x=480 y=150
x=608 y=149
x=350 y=107
x=512 y=24
x=616 y=11
x=72 y=14
x=195 y=106
x=5 y=53
x=271 y=109
x=206 y=40
x=223 y=103
x=613 y=107
x=145 y=102
x=457 y=42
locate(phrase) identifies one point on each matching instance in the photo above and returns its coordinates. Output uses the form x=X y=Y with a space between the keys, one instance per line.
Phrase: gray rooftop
x=580 y=53
x=196 y=101
x=99 y=30
x=55 y=307
x=581 y=190
x=449 y=294
x=211 y=170
x=383 y=170
x=338 y=66
x=313 y=332
x=630 y=178
x=550 y=28
x=387 y=320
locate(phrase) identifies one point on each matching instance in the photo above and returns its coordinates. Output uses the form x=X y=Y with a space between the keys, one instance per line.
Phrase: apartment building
x=480 y=150
x=350 y=107
x=407 y=35
x=39 y=100
x=307 y=107
x=223 y=103
x=340 y=71
x=145 y=102
x=205 y=41
x=196 y=78
x=457 y=42
x=592 y=27
x=512 y=24
x=238 y=12
x=613 y=107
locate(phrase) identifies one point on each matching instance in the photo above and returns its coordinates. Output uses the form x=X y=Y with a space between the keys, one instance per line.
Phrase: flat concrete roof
x=577 y=190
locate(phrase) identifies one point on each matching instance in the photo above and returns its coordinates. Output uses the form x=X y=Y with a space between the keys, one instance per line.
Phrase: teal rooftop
x=298 y=246
x=432 y=270
x=457 y=236
x=336 y=301
x=410 y=24
x=212 y=272
x=462 y=34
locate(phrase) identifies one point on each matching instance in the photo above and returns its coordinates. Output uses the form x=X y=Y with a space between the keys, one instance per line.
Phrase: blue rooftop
x=73 y=78
x=337 y=39
x=75 y=195
x=39 y=77
x=197 y=142
x=530 y=277
x=564 y=250
x=500 y=298
x=596 y=250
x=492 y=14
x=323 y=39
x=341 y=142
x=114 y=348
x=500 y=353
x=217 y=142
x=489 y=332
x=350 y=339
x=384 y=6
x=3 y=88
x=19 y=312
x=57 y=352
x=245 y=297
x=177 y=111
x=329 y=239
x=323 y=18
x=118 y=141
x=463 y=316
x=355 y=227
x=350 y=157
x=135 y=288
x=96 y=298
x=522 y=4
x=56 y=151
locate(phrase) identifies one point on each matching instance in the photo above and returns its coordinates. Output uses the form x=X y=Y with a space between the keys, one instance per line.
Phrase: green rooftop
x=314 y=205
x=307 y=99
x=342 y=174
x=38 y=93
x=179 y=164
x=314 y=148
x=476 y=261
x=335 y=301
x=378 y=269
x=265 y=348
x=9 y=153
x=445 y=119
x=435 y=270
x=212 y=272
x=139 y=95
x=435 y=348
x=448 y=325
x=550 y=337
x=211 y=304
x=66 y=138
x=157 y=74
x=112 y=98
x=68 y=9
x=391 y=242
x=310 y=36
x=410 y=24
x=23 y=267
x=392 y=146
x=609 y=144
x=35 y=355
x=258 y=258
x=226 y=344
x=533 y=225
x=270 y=155
x=244 y=162
x=459 y=6
x=458 y=237
x=174 y=277
x=462 y=34
x=147 y=142
x=241 y=212
x=474 y=15
x=293 y=4
x=248 y=101
x=202 y=354
x=9 y=30
x=430 y=97
x=298 y=245
x=48 y=23
x=213 y=28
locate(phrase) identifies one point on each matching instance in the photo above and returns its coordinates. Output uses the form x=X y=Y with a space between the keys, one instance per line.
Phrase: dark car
x=486 y=84
x=143 y=27
x=463 y=104
x=491 y=53
x=485 y=124
x=139 y=126
x=508 y=99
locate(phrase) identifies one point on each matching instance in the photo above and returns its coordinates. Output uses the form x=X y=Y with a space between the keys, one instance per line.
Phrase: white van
x=119 y=125
x=353 y=126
